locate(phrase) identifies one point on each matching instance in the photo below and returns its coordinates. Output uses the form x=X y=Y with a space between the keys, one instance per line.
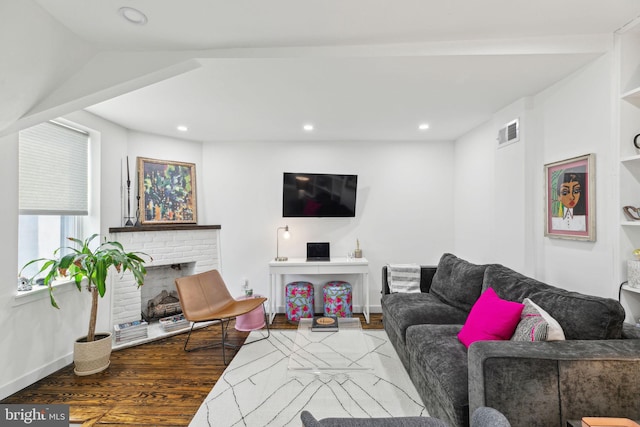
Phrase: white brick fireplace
x=197 y=247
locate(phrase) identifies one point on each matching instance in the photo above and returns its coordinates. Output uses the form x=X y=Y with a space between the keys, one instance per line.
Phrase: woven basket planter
x=92 y=357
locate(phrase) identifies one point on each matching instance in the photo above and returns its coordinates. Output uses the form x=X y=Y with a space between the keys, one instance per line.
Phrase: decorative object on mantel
x=90 y=267
x=358 y=252
x=128 y=217
x=632 y=213
x=286 y=235
x=167 y=191
x=138 y=223
x=570 y=199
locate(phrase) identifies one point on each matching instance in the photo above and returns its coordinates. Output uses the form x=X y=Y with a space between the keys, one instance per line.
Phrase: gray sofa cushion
x=439 y=370
x=605 y=316
x=458 y=282
x=404 y=310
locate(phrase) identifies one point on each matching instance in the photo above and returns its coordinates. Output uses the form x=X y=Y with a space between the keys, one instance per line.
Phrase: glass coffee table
x=322 y=352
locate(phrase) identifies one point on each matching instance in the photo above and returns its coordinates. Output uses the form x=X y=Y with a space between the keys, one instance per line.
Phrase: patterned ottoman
x=337 y=299
x=299 y=301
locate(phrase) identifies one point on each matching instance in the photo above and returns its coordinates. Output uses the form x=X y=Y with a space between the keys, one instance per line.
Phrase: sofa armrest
x=548 y=383
x=426 y=276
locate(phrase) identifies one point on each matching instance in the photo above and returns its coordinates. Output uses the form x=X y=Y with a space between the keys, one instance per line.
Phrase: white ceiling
x=356 y=69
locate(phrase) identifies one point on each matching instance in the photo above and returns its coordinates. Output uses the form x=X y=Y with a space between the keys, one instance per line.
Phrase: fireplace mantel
x=163 y=227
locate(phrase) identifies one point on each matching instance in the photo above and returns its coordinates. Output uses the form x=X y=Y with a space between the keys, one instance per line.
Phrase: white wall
x=491 y=195
x=403 y=212
x=474 y=206
x=576 y=119
x=499 y=202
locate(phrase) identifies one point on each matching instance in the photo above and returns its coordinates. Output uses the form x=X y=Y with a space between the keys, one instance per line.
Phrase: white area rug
x=257 y=390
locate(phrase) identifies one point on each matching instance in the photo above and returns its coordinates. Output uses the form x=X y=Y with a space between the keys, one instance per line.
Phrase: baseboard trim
x=35 y=376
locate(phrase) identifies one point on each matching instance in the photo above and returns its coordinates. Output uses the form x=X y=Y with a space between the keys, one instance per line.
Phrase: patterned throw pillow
x=537 y=325
x=532 y=326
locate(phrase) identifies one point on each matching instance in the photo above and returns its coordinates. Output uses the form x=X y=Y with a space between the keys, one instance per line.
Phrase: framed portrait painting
x=167 y=192
x=570 y=199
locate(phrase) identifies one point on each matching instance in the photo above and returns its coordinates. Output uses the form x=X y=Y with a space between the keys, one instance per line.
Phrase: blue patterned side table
x=337 y=297
x=299 y=301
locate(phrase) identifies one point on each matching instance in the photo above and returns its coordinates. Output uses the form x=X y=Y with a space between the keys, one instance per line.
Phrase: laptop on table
x=318 y=251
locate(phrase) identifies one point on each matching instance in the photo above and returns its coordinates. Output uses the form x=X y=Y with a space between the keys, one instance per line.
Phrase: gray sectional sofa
x=594 y=372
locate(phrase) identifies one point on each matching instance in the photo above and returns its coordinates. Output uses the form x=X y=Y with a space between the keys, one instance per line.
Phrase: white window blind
x=53 y=170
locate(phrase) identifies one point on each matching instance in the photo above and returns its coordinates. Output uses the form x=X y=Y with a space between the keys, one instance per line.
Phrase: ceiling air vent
x=509 y=133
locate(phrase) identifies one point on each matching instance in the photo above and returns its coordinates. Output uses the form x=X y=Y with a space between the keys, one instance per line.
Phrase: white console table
x=277 y=269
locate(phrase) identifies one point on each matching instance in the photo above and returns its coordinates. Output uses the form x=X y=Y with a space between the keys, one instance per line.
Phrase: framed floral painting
x=570 y=199
x=167 y=192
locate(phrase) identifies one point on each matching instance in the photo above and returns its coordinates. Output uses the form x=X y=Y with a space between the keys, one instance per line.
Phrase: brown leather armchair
x=205 y=298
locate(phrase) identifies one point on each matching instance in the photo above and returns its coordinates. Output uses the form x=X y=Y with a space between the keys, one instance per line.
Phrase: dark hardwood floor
x=154 y=384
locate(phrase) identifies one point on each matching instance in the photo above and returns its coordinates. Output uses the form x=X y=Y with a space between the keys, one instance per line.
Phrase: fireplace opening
x=163 y=305
x=159 y=297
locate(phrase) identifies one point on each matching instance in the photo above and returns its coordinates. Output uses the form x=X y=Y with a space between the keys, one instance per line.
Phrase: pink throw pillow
x=490 y=318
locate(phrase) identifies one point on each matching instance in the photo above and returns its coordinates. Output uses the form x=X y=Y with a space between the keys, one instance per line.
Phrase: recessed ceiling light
x=182 y=128
x=423 y=126
x=133 y=15
x=308 y=127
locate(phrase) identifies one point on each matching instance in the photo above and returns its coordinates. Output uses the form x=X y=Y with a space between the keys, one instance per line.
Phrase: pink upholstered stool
x=252 y=320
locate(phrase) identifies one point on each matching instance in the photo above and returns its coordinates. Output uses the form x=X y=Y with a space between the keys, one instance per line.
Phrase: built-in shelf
x=628 y=117
x=631 y=289
x=164 y=227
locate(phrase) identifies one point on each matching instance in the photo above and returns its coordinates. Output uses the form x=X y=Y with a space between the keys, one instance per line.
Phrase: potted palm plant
x=87 y=267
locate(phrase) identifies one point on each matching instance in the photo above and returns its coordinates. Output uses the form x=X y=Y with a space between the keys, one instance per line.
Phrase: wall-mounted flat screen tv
x=319 y=195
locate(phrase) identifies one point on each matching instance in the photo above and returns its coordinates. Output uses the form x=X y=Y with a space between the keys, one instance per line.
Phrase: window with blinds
x=53 y=190
x=53 y=170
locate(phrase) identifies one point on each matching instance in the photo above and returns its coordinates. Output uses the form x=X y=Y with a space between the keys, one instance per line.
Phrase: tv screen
x=319 y=195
